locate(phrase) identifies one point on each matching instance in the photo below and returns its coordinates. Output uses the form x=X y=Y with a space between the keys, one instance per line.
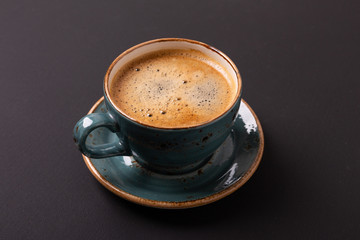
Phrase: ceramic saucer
x=228 y=169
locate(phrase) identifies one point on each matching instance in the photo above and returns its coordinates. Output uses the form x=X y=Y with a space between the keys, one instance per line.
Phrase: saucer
x=233 y=163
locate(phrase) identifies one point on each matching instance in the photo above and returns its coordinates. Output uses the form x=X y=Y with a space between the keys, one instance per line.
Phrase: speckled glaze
x=231 y=165
x=162 y=150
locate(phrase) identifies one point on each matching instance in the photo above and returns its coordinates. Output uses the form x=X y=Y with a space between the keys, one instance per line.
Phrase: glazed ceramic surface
x=164 y=150
x=228 y=168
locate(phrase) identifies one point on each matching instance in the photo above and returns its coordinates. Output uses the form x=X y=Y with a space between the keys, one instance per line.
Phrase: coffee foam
x=173 y=89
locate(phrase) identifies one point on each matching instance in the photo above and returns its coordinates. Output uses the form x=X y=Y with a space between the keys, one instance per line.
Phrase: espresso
x=173 y=88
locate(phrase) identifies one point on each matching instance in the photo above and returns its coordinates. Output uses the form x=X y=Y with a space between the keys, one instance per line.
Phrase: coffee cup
x=171 y=103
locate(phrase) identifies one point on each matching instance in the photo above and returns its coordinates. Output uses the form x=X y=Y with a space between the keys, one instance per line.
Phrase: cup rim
x=226 y=58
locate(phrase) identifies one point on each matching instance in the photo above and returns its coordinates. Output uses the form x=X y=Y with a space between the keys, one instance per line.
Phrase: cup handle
x=89 y=123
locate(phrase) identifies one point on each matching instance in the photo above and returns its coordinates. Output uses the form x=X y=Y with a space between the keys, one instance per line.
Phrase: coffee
x=173 y=88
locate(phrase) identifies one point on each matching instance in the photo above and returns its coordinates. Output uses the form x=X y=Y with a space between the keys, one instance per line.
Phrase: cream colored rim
x=184 y=204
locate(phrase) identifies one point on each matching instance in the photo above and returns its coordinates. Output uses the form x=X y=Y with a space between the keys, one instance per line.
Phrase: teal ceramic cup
x=162 y=150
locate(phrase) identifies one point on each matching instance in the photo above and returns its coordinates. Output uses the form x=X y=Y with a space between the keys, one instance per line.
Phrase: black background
x=299 y=61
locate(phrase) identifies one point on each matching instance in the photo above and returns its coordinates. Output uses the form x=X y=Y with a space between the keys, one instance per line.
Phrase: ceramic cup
x=163 y=150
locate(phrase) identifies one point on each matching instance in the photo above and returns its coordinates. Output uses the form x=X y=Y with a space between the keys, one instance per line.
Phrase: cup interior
x=224 y=64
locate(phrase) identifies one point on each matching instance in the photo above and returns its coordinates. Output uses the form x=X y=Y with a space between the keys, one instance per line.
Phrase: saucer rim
x=183 y=204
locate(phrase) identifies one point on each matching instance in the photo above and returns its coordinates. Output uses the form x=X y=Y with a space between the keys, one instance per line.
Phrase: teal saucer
x=228 y=169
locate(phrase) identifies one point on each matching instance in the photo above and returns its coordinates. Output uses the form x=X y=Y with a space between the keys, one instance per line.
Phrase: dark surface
x=300 y=66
